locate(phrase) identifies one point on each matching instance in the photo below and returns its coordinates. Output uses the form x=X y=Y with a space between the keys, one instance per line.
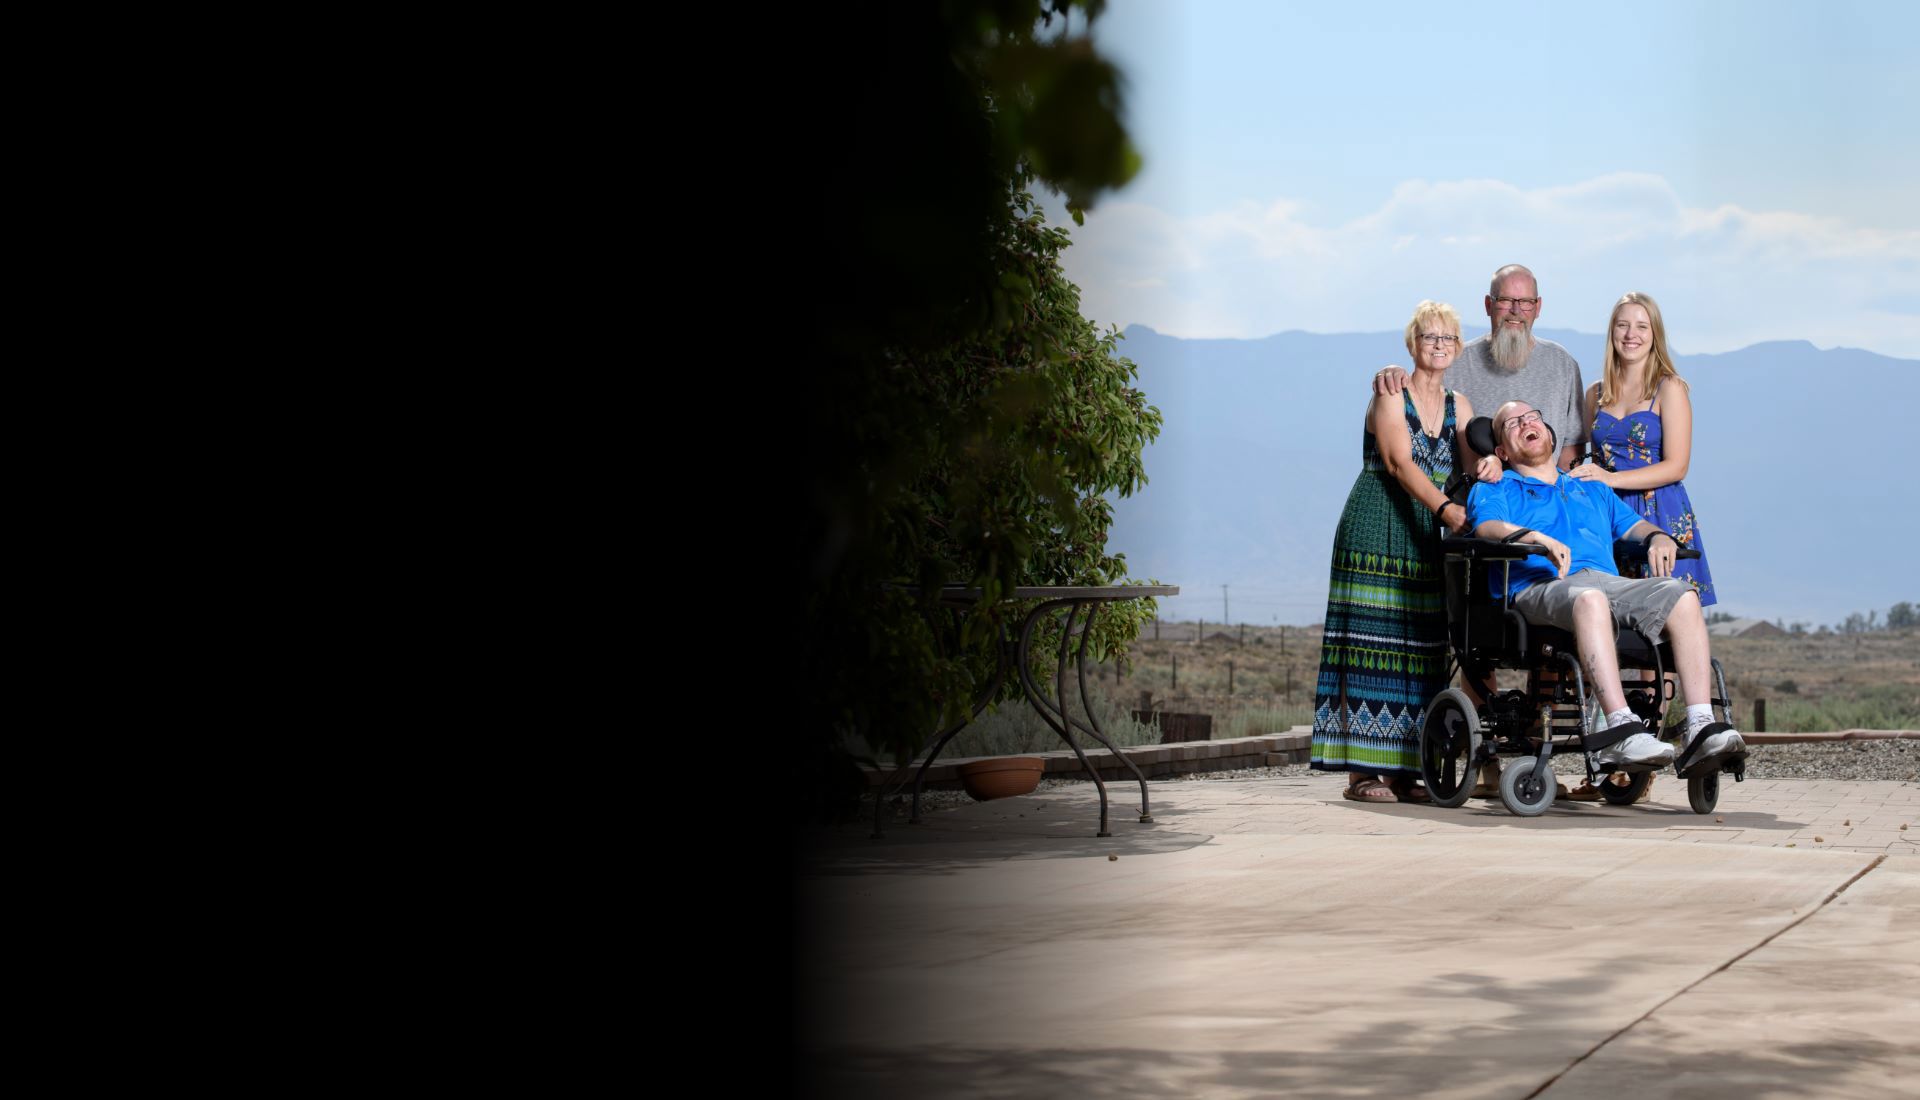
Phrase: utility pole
x=1224 y=617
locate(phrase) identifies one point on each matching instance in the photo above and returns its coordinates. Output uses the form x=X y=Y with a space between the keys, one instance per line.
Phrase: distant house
x=1745 y=628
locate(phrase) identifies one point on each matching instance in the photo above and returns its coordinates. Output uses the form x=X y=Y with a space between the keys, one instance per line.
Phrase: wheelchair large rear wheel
x=1448 y=740
x=1524 y=792
x=1703 y=791
x=1624 y=796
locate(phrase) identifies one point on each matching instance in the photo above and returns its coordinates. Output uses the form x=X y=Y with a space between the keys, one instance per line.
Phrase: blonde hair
x=1430 y=310
x=1662 y=363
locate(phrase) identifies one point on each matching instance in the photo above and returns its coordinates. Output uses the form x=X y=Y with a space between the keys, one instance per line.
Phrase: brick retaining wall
x=1155 y=761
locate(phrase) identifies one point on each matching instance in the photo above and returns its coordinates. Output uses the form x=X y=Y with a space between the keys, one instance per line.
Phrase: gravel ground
x=1892 y=759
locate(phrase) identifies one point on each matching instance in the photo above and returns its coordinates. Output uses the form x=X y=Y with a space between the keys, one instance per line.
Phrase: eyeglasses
x=1438 y=339
x=1518 y=305
x=1523 y=418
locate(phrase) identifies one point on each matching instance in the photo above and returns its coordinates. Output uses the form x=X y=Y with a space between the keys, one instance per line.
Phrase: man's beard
x=1542 y=454
x=1510 y=348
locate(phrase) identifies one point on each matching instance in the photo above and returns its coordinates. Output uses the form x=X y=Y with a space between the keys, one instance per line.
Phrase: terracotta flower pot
x=1001 y=777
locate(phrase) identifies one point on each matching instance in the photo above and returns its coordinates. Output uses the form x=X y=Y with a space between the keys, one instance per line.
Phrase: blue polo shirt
x=1585 y=515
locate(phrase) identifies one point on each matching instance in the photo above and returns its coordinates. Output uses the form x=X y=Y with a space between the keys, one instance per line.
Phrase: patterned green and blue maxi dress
x=1383 y=656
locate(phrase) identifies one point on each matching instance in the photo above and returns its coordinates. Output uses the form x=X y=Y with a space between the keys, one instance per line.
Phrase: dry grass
x=1810 y=682
x=1825 y=682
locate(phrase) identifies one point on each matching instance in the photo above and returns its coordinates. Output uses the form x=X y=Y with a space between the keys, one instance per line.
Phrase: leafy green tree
x=1901 y=616
x=966 y=422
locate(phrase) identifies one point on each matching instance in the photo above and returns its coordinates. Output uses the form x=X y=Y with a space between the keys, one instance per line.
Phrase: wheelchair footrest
x=1735 y=762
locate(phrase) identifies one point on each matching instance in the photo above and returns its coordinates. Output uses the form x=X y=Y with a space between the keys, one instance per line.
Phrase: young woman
x=1641 y=417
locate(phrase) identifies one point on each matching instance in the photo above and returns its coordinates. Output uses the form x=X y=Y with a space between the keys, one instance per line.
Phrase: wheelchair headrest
x=1480 y=435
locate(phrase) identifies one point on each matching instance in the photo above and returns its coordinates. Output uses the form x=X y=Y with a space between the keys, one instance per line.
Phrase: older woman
x=1384 y=652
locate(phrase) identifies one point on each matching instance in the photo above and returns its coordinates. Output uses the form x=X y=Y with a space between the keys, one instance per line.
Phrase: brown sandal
x=1370 y=790
x=1410 y=791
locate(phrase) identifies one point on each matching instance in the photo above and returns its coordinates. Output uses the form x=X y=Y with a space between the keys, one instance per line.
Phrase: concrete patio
x=1267 y=937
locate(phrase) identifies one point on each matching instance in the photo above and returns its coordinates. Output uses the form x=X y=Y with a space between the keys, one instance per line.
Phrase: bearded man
x=1512 y=364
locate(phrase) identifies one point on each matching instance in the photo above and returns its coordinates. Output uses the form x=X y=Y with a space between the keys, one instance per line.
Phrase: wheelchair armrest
x=1478 y=549
x=1631 y=551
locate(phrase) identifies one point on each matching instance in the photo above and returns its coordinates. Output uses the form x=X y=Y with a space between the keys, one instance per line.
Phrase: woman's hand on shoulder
x=1587 y=471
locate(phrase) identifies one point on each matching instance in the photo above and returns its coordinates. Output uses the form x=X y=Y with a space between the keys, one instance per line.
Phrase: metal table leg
x=1086 y=707
x=980 y=704
x=1040 y=701
x=1055 y=713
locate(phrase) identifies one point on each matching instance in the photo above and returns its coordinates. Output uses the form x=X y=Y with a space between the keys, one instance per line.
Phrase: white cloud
x=1725 y=277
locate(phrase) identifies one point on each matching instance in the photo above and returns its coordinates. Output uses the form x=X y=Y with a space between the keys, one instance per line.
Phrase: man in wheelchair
x=1576 y=522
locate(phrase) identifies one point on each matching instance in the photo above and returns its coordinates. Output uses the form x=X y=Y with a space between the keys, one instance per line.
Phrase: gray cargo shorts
x=1642 y=604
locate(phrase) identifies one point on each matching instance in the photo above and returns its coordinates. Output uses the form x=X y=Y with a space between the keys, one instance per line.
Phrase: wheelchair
x=1550 y=716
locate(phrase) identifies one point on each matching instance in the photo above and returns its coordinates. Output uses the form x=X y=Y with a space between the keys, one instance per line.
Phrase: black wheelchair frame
x=1550 y=715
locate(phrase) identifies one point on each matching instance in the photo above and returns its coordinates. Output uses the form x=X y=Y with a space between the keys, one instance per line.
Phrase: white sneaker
x=1641 y=748
x=1724 y=741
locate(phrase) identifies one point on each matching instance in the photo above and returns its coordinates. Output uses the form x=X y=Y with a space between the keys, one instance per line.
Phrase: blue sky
x=1753 y=166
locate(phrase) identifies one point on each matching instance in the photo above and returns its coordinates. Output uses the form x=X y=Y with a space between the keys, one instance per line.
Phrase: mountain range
x=1802 y=475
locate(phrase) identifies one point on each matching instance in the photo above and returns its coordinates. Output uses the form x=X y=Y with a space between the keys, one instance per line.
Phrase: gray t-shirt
x=1549 y=382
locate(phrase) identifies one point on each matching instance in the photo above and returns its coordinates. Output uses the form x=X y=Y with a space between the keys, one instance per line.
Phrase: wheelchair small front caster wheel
x=1618 y=795
x=1703 y=791
x=1524 y=789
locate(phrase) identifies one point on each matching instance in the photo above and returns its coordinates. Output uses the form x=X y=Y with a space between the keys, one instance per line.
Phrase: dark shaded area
x=886 y=157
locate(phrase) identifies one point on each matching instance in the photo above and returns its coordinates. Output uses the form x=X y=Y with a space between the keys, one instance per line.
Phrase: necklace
x=1429 y=418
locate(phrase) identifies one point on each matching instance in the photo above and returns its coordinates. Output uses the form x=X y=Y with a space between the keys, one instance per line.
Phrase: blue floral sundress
x=1630 y=443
